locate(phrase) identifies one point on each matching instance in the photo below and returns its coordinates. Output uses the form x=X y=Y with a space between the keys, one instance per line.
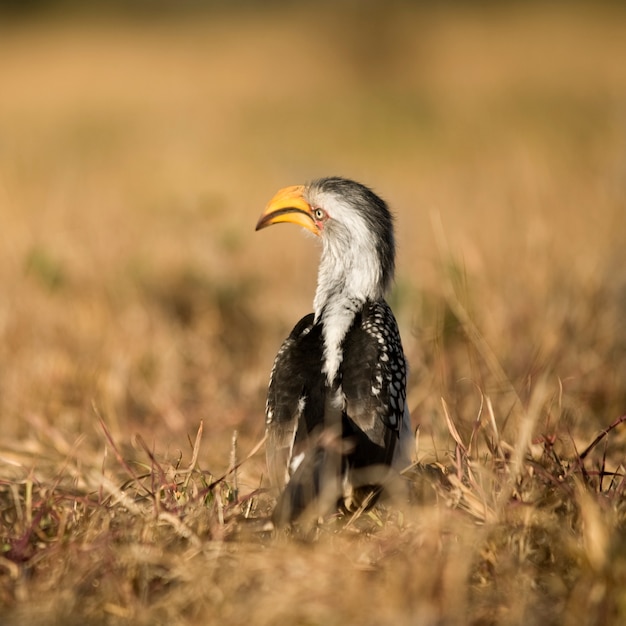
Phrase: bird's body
x=335 y=413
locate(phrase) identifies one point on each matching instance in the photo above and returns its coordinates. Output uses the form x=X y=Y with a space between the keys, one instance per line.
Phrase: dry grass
x=140 y=313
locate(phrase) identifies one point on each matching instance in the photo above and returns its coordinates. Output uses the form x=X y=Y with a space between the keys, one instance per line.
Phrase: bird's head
x=356 y=229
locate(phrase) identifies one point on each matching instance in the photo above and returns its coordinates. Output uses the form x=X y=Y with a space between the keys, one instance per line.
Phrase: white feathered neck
x=350 y=273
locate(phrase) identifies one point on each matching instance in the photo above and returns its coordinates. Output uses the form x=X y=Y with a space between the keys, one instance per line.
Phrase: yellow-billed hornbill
x=336 y=414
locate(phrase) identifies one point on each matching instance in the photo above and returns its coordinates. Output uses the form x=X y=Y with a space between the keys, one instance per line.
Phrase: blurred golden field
x=138 y=305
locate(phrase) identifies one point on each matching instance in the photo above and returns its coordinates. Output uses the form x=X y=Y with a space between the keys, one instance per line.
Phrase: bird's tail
x=313 y=489
x=325 y=481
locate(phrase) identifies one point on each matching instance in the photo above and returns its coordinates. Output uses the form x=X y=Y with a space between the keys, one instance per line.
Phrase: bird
x=336 y=416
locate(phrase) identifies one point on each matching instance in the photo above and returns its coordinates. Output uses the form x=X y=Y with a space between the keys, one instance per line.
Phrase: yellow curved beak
x=289 y=205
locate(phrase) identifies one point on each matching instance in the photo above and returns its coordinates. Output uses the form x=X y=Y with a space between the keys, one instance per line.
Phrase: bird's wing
x=374 y=381
x=295 y=397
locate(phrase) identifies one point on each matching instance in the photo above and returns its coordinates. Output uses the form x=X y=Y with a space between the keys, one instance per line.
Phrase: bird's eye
x=319 y=214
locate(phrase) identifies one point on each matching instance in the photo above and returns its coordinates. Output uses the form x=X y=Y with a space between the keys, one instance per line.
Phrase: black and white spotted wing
x=374 y=380
x=295 y=398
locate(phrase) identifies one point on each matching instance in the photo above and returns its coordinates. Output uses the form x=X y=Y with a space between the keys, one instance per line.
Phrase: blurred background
x=139 y=142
